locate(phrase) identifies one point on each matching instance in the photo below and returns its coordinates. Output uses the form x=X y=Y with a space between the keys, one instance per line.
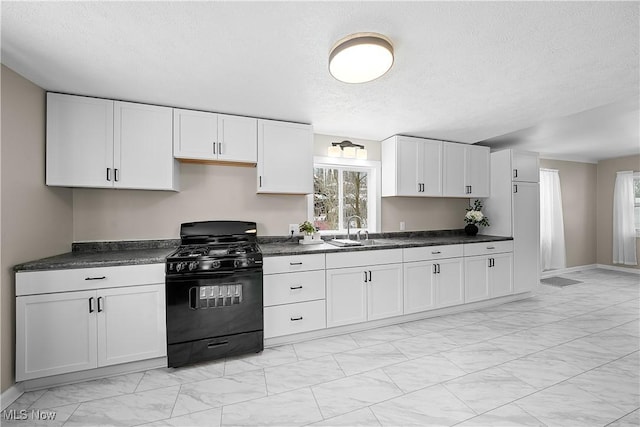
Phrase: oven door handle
x=193 y=298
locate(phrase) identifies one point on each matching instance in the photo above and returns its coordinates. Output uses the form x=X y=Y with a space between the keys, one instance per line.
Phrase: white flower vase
x=308 y=237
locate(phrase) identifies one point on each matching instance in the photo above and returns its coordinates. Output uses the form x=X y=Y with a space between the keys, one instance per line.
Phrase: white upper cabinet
x=411 y=167
x=143 y=148
x=466 y=170
x=79 y=141
x=525 y=166
x=199 y=135
x=109 y=144
x=285 y=158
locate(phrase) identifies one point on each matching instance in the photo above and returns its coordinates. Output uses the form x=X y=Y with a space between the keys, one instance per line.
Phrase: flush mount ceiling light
x=361 y=57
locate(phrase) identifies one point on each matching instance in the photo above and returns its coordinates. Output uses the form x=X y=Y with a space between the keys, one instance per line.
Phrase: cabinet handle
x=436 y=252
x=435 y=270
x=419 y=187
x=91 y=310
x=214 y=148
x=369 y=275
x=365 y=277
x=295 y=263
x=295 y=287
x=293 y=319
x=515 y=188
x=438 y=268
x=515 y=173
x=115 y=175
x=95 y=278
x=260 y=178
x=219 y=147
x=100 y=307
x=108 y=174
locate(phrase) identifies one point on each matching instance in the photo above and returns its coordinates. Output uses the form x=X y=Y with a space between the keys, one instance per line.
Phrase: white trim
x=616 y=268
x=339 y=330
x=551 y=273
x=92 y=374
x=10 y=395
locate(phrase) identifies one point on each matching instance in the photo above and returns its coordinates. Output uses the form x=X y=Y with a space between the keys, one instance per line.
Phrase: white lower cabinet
x=364 y=293
x=294 y=294
x=433 y=284
x=488 y=276
x=73 y=331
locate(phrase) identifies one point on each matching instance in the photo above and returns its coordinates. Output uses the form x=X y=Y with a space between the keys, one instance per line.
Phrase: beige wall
x=606 y=179
x=36 y=220
x=423 y=213
x=578 y=184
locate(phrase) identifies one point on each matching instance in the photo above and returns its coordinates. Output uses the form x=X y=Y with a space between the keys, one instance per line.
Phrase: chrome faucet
x=366 y=233
x=349 y=224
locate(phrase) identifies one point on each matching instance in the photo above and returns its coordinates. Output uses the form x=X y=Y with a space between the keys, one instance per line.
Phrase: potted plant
x=308 y=229
x=475 y=217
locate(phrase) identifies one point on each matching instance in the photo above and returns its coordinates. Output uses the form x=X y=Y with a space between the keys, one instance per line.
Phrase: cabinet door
x=526 y=166
x=501 y=275
x=55 y=334
x=477 y=164
x=526 y=236
x=384 y=294
x=237 y=139
x=143 y=147
x=79 y=141
x=476 y=280
x=131 y=324
x=346 y=296
x=453 y=176
x=430 y=173
x=419 y=290
x=285 y=158
x=406 y=167
x=195 y=134
x=449 y=283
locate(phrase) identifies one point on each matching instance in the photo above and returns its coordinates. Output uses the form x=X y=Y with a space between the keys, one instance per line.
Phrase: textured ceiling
x=464 y=71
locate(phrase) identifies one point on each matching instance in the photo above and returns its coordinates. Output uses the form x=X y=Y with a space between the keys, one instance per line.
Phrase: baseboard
x=616 y=268
x=551 y=273
x=10 y=395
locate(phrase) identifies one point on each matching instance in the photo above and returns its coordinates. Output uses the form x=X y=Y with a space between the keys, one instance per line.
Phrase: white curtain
x=552 y=249
x=624 y=230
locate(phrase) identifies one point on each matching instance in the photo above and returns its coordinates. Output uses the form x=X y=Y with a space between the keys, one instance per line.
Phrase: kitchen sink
x=345 y=242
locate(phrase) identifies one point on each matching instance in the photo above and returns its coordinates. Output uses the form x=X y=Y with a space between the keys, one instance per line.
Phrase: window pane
x=355 y=192
x=636 y=188
x=325 y=198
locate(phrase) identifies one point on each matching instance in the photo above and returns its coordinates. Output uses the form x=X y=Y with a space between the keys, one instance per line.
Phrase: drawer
x=287 y=288
x=294 y=318
x=471 y=249
x=428 y=253
x=83 y=279
x=291 y=263
x=362 y=258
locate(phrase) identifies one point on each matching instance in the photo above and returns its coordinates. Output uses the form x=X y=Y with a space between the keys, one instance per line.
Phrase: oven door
x=213 y=305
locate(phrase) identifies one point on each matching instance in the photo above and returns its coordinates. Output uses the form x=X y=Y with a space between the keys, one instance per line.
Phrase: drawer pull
x=295 y=287
x=491 y=247
x=436 y=252
x=96 y=278
x=293 y=319
x=295 y=263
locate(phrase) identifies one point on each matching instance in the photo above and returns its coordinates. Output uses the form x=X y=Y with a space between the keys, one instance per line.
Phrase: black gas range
x=214 y=292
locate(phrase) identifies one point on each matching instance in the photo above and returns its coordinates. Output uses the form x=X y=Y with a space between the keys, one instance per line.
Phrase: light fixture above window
x=361 y=57
x=348 y=150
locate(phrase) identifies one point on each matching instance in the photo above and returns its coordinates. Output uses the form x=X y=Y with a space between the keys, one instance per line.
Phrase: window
x=636 y=200
x=344 y=188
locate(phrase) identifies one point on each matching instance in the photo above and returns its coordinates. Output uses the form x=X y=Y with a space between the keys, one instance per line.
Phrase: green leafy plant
x=307 y=228
x=474 y=215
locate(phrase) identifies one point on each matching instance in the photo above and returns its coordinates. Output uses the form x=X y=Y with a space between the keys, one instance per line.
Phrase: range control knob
x=215 y=263
x=180 y=266
x=193 y=265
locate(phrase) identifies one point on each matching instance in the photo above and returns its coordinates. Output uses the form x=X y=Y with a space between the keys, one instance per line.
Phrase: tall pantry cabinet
x=514 y=210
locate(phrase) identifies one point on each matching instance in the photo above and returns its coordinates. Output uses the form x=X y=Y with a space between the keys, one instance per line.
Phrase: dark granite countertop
x=392 y=242
x=106 y=254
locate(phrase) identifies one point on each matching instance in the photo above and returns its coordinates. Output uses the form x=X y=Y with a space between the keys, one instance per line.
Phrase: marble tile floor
x=565 y=357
